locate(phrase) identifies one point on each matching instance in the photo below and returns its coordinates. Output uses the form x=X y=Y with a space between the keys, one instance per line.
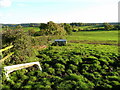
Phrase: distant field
x=29 y=28
x=90 y=27
x=24 y=28
x=87 y=37
x=105 y=37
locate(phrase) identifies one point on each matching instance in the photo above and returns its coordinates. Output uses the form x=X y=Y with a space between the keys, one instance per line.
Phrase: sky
x=59 y=11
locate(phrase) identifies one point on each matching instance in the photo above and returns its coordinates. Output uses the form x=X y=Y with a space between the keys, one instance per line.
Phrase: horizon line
x=58 y=22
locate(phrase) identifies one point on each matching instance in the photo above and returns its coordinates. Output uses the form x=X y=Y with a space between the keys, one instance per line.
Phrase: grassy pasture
x=29 y=28
x=87 y=37
x=108 y=37
x=90 y=27
x=23 y=28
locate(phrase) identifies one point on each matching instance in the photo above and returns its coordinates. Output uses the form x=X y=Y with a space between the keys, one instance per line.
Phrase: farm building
x=60 y=42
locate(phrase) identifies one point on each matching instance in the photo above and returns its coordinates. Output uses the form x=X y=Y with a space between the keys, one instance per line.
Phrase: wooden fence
x=3 y=59
x=9 y=69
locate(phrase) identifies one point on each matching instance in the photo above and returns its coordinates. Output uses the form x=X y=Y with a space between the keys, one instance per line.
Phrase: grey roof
x=60 y=40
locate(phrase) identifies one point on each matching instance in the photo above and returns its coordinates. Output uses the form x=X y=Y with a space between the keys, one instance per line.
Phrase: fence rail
x=6 y=48
x=3 y=59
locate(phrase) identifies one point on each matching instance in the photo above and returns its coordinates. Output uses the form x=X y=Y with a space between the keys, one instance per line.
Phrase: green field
x=24 y=28
x=29 y=28
x=90 y=27
x=86 y=37
x=94 y=35
x=108 y=37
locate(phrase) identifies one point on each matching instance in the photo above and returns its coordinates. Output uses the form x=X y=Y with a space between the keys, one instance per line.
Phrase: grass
x=89 y=37
x=29 y=28
x=24 y=28
x=72 y=46
x=90 y=27
x=110 y=37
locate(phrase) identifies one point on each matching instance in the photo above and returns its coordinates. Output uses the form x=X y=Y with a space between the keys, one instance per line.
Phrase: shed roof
x=60 y=40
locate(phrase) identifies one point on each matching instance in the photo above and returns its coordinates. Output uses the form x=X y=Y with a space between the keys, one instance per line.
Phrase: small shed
x=60 y=42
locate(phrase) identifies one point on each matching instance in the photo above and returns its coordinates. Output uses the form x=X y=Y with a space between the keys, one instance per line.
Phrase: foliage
x=74 y=66
x=68 y=28
x=108 y=26
x=22 y=46
x=51 y=28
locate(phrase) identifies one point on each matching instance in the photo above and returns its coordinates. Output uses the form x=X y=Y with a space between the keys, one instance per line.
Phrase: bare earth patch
x=40 y=47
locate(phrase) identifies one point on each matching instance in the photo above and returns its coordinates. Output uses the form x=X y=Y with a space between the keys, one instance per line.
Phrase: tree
x=22 y=45
x=68 y=28
x=6 y=27
x=107 y=26
x=31 y=25
x=117 y=27
x=31 y=32
x=19 y=27
x=51 y=28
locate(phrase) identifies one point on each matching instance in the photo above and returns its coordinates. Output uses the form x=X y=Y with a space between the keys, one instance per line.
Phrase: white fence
x=9 y=69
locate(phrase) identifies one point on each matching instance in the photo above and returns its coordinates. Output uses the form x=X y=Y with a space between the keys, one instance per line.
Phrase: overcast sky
x=37 y=11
